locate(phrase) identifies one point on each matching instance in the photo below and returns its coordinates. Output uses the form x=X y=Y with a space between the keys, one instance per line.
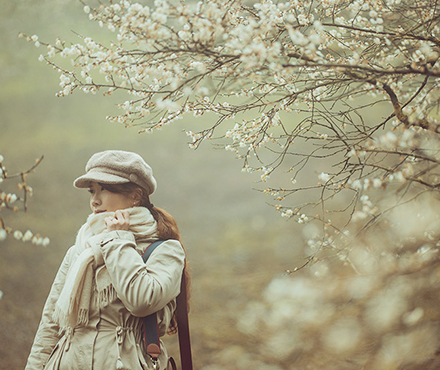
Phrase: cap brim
x=95 y=176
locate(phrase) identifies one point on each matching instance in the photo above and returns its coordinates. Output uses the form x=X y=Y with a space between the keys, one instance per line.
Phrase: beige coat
x=115 y=330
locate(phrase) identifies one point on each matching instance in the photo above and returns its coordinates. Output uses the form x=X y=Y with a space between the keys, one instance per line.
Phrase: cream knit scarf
x=72 y=307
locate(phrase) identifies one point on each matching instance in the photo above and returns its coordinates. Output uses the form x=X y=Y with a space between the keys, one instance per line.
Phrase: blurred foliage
x=235 y=242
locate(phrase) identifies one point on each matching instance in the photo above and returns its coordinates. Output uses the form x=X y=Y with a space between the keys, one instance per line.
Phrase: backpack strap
x=183 y=327
x=151 y=329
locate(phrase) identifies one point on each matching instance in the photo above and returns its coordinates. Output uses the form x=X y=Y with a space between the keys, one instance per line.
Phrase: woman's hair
x=166 y=229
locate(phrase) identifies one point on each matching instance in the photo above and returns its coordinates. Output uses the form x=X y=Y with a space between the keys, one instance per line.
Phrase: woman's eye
x=91 y=191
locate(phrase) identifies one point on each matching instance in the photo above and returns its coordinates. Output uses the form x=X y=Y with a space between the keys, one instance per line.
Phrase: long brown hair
x=166 y=229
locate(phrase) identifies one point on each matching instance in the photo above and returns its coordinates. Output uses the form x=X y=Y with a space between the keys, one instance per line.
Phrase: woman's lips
x=98 y=211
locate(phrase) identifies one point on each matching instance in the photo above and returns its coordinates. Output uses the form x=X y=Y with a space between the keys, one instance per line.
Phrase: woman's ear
x=137 y=196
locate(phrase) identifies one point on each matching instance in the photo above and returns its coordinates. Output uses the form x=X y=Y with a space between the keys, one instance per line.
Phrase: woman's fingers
x=120 y=221
x=122 y=214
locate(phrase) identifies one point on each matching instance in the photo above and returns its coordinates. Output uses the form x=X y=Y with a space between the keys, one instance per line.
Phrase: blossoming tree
x=11 y=201
x=334 y=104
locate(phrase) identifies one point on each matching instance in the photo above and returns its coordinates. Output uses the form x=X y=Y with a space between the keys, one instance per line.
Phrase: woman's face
x=102 y=200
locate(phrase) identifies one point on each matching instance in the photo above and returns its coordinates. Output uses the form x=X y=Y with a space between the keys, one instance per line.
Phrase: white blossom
x=11 y=198
x=343 y=336
x=377 y=183
x=18 y=235
x=27 y=236
x=324 y=177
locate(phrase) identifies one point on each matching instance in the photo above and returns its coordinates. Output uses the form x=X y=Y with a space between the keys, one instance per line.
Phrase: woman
x=92 y=317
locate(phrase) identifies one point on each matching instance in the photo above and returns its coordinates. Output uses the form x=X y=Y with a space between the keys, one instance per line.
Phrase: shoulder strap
x=151 y=330
x=183 y=327
x=150 y=249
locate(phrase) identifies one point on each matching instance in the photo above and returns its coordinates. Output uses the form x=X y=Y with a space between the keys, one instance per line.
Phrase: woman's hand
x=120 y=221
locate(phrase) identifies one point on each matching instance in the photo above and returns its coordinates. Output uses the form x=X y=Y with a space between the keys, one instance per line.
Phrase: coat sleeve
x=143 y=288
x=47 y=334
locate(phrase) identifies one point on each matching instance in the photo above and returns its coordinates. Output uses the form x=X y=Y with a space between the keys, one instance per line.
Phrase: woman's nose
x=96 y=201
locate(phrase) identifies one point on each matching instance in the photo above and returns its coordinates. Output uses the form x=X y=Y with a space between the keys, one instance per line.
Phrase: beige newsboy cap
x=117 y=167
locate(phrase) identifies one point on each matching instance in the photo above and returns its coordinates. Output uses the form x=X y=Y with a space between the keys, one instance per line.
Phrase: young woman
x=92 y=317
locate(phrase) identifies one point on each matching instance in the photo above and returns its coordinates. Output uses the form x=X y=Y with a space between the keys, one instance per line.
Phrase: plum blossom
x=15 y=203
x=18 y=234
x=324 y=177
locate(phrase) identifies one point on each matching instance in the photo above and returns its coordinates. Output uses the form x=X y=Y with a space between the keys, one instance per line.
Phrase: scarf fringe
x=106 y=296
x=83 y=317
x=61 y=318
